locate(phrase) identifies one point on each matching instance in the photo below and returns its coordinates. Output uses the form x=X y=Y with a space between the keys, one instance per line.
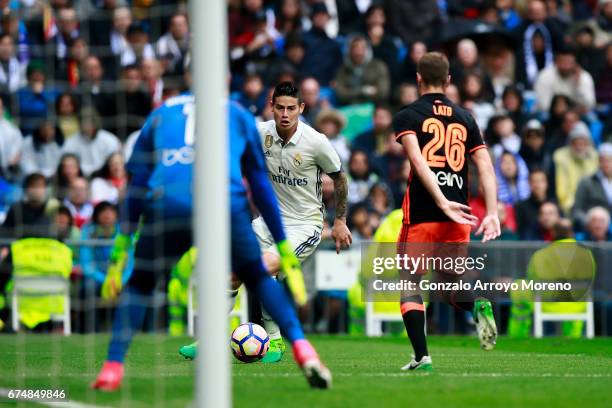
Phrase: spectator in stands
x=604 y=77
x=512 y=176
x=572 y=163
x=93 y=144
x=527 y=210
x=97 y=92
x=68 y=71
x=559 y=106
x=474 y=99
x=380 y=199
x=537 y=37
x=41 y=151
x=565 y=77
x=331 y=122
x=78 y=201
x=383 y=45
x=140 y=47
x=601 y=23
x=407 y=93
x=452 y=93
x=533 y=150
x=374 y=141
x=67 y=115
x=151 y=71
x=597 y=225
x=509 y=17
x=67 y=32
x=512 y=105
x=291 y=61
x=172 y=47
x=30 y=217
x=417 y=50
x=508 y=141
x=64 y=228
x=466 y=62
x=68 y=169
x=359 y=223
x=388 y=164
x=595 y=190
x=253 y=94
x=289 y=18
x=588 y=56
x=10 y=147
x=35 y=99
x=311 y=96
x=110 y=182
x=118 y=41
x=100 y=22
x=362 y=78
x=133 y=103
x=548 y=216
x=351 y=16
x=323 y=56
x=360 y=177
x=400 y=184
x=95 y=260
x=415 y=20
x=11 y=70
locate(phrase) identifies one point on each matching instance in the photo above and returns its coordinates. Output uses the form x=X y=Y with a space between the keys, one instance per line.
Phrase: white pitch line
x=4 y=392
x=438 y=374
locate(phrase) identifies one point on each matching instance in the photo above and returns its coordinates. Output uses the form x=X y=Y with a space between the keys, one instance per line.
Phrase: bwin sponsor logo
x=449 y=179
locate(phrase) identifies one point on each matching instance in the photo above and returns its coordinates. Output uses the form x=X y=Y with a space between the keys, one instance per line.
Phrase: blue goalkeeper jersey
x=161 y=164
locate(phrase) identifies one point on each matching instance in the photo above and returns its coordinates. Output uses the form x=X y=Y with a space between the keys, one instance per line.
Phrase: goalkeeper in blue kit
x=160 y=196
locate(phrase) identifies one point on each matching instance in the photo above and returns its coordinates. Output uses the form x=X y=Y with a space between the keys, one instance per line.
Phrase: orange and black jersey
x=447 y=135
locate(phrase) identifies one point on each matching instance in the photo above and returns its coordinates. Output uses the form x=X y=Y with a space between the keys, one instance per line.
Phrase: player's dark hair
x=286 y=89
x=433 y=68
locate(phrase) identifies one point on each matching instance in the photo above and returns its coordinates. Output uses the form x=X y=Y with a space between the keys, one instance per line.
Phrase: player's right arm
x=406 y=135
x=490 y=226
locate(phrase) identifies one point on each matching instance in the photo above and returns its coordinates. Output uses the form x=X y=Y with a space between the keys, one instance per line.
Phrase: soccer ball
x=249 y=342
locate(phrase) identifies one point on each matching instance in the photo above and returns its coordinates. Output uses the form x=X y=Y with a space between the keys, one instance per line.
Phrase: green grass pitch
x=518 y=373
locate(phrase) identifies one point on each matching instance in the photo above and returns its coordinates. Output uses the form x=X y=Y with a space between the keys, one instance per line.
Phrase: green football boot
x=485 y=324
x=275 y=351
x=190 y=351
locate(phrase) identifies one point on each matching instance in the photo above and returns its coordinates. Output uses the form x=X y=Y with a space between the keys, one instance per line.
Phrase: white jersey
x=295 y=171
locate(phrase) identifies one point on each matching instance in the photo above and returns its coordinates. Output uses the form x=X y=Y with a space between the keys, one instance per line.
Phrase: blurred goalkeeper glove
x=118 y=260
x=290 y=266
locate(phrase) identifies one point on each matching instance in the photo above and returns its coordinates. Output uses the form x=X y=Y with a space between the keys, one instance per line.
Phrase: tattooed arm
x=340 y=232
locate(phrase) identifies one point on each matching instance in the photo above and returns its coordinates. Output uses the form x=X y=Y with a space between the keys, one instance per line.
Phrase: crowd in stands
x=536 y=75
x=78 y=79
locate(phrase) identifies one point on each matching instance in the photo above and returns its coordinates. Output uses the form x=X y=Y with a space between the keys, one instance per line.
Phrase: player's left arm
x=490 y=226
x=340 y=232
x=328 y=160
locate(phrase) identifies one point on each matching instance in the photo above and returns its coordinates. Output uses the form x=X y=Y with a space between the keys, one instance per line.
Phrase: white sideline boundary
x=4 y=393
x=438 y=374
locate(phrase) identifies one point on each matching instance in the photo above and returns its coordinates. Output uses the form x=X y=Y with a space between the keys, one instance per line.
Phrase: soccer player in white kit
x=296 y=157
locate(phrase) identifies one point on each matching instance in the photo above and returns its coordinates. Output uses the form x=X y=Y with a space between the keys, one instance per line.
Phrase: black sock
x=414 y=321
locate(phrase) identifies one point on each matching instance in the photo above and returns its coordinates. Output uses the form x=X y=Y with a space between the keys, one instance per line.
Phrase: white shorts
x=303 y=238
